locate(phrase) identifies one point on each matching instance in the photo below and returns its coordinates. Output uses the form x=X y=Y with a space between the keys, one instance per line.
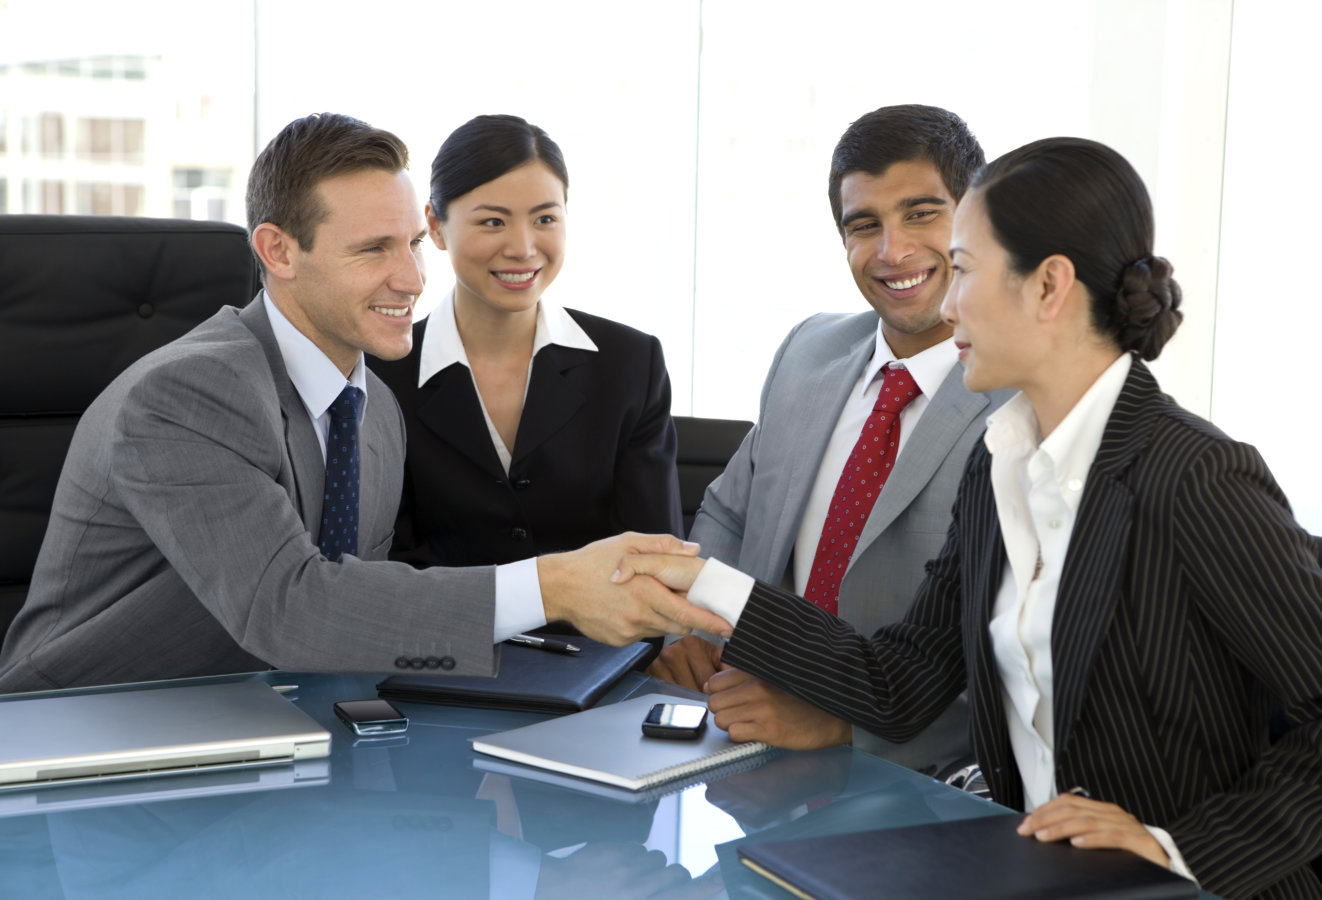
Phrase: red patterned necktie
x=856 y=492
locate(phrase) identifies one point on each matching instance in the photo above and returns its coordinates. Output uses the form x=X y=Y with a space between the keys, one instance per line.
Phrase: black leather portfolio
x=973 y=859
x=529 y=679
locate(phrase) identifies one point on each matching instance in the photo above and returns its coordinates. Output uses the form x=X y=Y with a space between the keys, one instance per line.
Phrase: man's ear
x=1052 y=283
x=434 y=228
x=277 y=250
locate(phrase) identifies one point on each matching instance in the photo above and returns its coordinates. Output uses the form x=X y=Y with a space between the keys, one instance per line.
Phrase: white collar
x=442 y=346
x=1073 y=445
x=929 y=367
x=315 y=377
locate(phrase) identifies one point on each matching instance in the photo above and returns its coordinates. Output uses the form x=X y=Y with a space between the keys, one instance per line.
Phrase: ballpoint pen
x=554 y=645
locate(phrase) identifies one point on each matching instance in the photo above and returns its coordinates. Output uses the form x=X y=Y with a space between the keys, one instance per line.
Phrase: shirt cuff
x=1178 y=865
x=722 y=590
x=518 y=599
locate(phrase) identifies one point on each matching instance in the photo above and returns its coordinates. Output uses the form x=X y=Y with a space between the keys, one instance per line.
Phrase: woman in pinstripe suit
x=1124 y=590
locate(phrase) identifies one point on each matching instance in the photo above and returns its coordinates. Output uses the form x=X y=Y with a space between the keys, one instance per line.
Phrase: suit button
x=447 y=663
x=519 y=534
x=416 y=662
x=522 y=483
x=432 y=662
x=402 y=662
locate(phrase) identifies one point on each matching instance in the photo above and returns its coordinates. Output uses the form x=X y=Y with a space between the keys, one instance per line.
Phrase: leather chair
x=82 y=297
x=705 y=446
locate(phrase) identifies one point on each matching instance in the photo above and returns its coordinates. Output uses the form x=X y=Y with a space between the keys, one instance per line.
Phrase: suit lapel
x=822 y=396
x=554 y=396
x=942 y=424
x=309 y=469
x=448 y=406
x=1090 y=585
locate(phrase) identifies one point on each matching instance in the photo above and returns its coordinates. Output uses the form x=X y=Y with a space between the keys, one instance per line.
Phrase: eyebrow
x=906 y=203
x=506 y=212
x=387 y=238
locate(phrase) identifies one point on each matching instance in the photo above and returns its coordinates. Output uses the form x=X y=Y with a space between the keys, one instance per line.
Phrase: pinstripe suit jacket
x=1189 y=600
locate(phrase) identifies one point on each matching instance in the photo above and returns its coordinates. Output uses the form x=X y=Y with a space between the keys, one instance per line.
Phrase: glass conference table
x=414 y=816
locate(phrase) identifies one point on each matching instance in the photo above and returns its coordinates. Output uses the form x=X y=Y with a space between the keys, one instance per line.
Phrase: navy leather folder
x=973 y=859
x=529 y=679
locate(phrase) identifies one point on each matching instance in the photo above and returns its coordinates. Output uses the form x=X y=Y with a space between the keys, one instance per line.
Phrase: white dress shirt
x=442 y=347
x=317 y=379
x=929 y=369
x=318 y=382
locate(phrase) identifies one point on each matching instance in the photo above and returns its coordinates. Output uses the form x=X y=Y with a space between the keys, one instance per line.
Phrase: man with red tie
x=843 y=489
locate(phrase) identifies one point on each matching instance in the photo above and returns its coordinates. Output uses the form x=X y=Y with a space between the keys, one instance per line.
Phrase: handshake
x=625 y=588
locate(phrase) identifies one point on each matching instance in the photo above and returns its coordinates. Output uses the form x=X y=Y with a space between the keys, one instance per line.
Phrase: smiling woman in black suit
x=531 y=428
x=1123 y=590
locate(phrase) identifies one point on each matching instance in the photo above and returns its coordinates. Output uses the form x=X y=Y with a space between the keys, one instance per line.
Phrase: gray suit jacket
x=750 y=515
x=178 y=542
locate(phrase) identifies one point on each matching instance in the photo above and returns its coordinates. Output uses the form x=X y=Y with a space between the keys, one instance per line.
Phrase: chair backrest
x=705 y=446
x=82 y=297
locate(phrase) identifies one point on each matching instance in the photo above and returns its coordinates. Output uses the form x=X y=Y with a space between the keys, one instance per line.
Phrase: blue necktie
x=339 y=504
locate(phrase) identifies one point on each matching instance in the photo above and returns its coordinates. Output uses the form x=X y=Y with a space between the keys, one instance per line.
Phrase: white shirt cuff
x=722 y=590
x=1178 y=866
x=518 y=599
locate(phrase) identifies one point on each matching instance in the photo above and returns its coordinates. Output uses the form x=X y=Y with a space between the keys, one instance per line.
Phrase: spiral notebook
x=606 y=744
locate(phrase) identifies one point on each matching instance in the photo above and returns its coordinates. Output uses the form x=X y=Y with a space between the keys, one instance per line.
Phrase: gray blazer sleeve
x=720 y=522
x=198 y=460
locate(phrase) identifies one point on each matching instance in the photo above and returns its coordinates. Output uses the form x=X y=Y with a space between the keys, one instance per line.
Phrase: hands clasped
x=588 y=589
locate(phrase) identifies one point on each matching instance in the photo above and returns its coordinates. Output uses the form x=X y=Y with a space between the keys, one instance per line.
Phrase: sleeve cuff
x=518 y=599
x=720 y=589
x=1178 y=865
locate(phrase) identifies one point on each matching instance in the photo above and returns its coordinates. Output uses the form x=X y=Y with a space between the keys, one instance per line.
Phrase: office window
x=111 y=140
x=51 y=127
x=103 y=199
x=46 y=197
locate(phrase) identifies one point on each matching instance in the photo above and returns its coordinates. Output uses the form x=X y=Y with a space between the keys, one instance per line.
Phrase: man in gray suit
x=896 y=175
x=194 y=529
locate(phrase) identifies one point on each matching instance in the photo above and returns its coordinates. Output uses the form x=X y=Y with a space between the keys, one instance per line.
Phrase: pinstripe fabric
x=1189 y=600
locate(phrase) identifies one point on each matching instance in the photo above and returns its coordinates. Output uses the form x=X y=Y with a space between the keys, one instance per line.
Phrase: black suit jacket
x=1190 y=599
x=594 y=454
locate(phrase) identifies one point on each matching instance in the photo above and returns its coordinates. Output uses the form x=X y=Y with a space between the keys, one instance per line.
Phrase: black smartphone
x=371 y=717
x=675 y=721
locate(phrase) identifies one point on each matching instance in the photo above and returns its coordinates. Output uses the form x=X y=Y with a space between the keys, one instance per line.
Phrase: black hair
x=1084 y=201
x=895 y=134
x=485 y=148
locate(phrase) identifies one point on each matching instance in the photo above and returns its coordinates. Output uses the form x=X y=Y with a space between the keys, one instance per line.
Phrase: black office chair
x=82 y=297
x=705 y=446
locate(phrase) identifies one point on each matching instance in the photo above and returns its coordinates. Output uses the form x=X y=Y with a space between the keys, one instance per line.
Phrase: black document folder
x=973 y=859
x=529 y=679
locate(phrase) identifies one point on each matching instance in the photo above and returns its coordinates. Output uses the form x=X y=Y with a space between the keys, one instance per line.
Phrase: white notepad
x=606 y=744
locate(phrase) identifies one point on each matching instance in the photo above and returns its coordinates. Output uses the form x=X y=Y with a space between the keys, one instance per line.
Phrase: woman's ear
x=277 y=250
x=434 y=228
x=1052 y=284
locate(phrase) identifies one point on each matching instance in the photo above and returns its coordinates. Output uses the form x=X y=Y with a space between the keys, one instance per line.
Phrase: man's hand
x=676 y=572
x=577 y=588
x=688 y=662
x=752 y=710
x=1092 y=824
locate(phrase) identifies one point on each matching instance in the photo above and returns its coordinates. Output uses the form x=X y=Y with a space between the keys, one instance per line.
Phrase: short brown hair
x=283 y=181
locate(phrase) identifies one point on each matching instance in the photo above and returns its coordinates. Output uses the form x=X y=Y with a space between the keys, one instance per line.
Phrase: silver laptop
x=67 y=739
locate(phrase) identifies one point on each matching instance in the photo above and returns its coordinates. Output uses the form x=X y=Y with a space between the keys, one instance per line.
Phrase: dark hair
x=894 y=134
x=284 y=178
x=1084 y=201
x=485 y=148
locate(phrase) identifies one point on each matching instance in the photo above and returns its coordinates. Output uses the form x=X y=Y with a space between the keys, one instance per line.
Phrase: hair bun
x=1148 y=306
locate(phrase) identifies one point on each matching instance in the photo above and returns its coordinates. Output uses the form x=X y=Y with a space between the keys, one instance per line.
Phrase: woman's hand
x=1091 y=824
